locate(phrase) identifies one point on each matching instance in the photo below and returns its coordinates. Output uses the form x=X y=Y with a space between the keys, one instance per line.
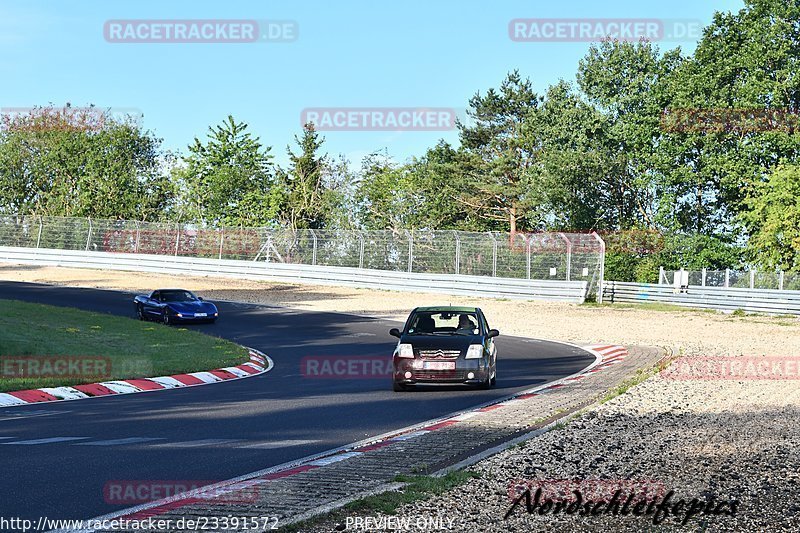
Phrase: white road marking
x=66 y=393
x=205 y=377
x=116 y=442
x=120 y=387
x=8 y=399
x=197 y=443
x=27 y=414
x=277 y=444
x=238 y=372
x=44 y=441
x=407 y=436
x=168 y=382
x=334 y=458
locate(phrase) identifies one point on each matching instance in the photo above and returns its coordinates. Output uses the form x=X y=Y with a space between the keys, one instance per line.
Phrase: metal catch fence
x=538 y=256
x=741 y=279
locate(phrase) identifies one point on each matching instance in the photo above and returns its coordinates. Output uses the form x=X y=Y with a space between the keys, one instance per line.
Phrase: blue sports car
x=174 y=305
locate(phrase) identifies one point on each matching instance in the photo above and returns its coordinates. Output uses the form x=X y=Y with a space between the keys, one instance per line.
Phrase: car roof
x=449 y=308
x=169 y=290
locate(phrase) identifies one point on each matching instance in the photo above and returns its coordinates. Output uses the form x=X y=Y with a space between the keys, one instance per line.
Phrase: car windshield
x=443 y=323
x=177 y=296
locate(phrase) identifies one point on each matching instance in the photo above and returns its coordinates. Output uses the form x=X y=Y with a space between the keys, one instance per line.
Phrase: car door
x=489 y=341
x=152 y=304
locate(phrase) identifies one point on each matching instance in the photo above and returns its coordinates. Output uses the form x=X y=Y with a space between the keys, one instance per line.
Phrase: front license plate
x=201 y=314
x=439 y=365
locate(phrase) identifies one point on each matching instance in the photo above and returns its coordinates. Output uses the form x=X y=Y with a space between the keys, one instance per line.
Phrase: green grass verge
x=642 y=374
x=652 y=306
x=416 y=488
x=123 y=347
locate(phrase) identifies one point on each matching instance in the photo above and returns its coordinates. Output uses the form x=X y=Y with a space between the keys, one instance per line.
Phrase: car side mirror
x=394 y=332
x=200 y=298
x=493 y=333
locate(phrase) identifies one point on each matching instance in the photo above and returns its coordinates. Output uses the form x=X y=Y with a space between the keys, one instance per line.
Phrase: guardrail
x=455 y=284
x=724 y=299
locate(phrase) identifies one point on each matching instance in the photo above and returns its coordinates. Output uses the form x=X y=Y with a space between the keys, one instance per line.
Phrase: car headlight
x=475 y=351
x=179 y=315
x=405 y=351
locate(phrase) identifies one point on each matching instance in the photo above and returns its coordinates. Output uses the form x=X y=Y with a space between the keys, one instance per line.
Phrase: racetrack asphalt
x=57 y=458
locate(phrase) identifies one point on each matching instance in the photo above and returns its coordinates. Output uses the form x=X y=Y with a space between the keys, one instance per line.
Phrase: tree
x=628 y=82
x=229 y=180
x=308 y=197
x=80 y=162
x=577 y=169
x=499 y=156
x=774 y=219
x=421 y=194
x=745 y=61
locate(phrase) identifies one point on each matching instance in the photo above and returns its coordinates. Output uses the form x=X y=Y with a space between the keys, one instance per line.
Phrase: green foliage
x=303 y=183
x=499 y=155
x=81 y=163
x=423 y=194
x=228 y=180
x=774 y=219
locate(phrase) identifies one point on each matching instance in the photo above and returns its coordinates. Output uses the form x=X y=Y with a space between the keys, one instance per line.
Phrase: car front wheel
x=166 y=319
x=486 y=383
x=139 y=312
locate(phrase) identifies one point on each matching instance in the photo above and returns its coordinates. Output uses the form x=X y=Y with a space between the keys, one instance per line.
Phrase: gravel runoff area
x=706 y=439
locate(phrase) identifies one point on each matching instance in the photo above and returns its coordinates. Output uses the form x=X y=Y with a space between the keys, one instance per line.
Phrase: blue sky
x=348 y=54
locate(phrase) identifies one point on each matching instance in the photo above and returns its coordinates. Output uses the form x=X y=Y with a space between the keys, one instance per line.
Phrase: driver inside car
x=465 y=324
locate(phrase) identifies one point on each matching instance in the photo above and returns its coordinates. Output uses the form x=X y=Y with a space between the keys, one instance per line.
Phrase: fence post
x=136 y=244
x=602 y=267
x=661 y=275
x=410 y=249
x=780 y=281
x=221 y=239
x=313 y=247
x=569 y=254
x=727 y=278
x=89 y=234
x=39 y=237
x=752 y=279
x=703 y=278
x=458 y=252
x=177 y=236
x=361 y=250
x=494 y=254
x=528 y=256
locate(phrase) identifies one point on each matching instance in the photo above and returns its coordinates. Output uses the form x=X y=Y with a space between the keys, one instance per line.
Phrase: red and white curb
x=605 y=355
x=258 y=364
